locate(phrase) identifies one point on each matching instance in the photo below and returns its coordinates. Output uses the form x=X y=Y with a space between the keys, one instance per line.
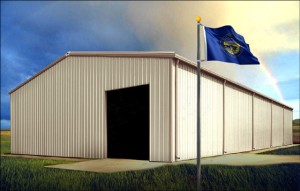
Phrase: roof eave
x=157 y=54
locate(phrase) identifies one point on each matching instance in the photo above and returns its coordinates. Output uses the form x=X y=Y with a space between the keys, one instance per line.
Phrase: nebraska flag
x=224 y=44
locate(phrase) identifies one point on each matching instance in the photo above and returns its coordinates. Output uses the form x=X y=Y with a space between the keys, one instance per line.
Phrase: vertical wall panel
x=186 y=108
x=288 y=127
x=262 y=123
x=238 y=120
x=277 y=125
x=62 y=112
x=12 y=122
x=172 y=101
x=211 y=114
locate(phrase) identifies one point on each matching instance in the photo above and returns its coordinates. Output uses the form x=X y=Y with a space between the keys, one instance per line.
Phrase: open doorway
x=128 y=123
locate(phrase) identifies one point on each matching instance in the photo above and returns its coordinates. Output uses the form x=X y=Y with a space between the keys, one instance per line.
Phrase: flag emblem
x=230 y=46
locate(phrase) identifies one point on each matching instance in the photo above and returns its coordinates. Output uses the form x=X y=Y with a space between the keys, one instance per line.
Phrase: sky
x=36 y=33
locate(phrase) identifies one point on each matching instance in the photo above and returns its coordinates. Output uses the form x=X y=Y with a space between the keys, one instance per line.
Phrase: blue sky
x=34 y=34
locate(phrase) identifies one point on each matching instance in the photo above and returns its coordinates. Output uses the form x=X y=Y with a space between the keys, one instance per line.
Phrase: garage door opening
x=128 y=123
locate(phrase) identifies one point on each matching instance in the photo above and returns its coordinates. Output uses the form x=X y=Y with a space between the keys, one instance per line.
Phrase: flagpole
x=198 y=107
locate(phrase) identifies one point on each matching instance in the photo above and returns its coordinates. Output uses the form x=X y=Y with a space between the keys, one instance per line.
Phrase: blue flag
x=224 y=44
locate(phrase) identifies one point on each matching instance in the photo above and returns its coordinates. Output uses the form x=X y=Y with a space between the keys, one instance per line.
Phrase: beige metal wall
x=244 y=116
x=262 y=123
x=62 y=112
x=277 y=125
x=211 y=112
x=186 y=112
x=288 y=131
x=211 y=116
x=238 y=120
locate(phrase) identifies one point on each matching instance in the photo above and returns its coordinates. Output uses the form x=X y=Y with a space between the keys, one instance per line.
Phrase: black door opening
x=128 y=123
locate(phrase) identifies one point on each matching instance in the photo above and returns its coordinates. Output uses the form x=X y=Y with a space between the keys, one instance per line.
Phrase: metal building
x=139 y=105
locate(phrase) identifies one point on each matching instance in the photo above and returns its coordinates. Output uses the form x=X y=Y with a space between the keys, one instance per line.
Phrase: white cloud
x=267 y=26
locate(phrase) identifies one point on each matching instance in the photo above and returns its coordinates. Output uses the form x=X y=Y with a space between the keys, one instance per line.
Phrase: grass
x=295 y=150
x=296 y=122
x=5 y=142
x=296 y=134
x=30 y=174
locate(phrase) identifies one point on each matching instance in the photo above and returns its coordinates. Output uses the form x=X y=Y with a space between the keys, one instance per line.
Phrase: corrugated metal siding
x=261 y=123
x=238 y=120
x=173 y=65
x=13 y=123
x=277 y=125
x=186 y=112
x=62 y=112
x=288 y=131
x=211 y=116
x=211 y=112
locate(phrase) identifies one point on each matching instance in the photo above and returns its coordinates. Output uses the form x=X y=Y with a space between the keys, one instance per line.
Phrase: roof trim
x=152 y=54
x=155 y=54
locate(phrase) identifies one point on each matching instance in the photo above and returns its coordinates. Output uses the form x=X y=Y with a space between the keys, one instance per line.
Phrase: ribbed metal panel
x=13 y=115
x=238 y=120
x=173 y=96
x=211 y=114
x=288 y=131
x=261 y=123
x=62 y=112
x=186 y=112
x=277 y=125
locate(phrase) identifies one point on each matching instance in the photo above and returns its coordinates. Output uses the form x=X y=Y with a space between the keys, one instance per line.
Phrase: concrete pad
x=109 y=165
x=247 y=160
x=120 y=165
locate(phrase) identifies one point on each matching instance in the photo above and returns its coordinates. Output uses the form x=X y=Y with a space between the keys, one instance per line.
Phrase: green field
x=5 y=142
x=296 y=134
x=30 y=174
x=296 y=122
x=296 y=131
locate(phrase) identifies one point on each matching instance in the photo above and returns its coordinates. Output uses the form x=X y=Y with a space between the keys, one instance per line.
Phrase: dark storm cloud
x=34 y=34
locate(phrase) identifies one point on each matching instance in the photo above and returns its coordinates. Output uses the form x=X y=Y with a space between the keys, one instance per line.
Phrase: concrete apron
x=120 y=165
x=109 y=165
